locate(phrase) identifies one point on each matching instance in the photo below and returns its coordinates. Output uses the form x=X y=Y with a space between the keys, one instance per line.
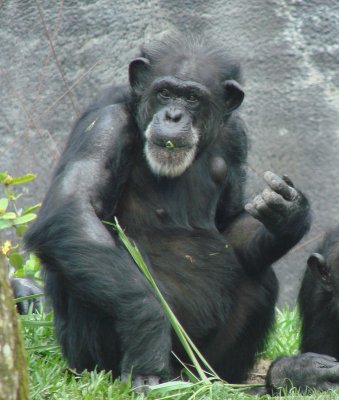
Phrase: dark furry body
x=319 y=305
x=211 y=259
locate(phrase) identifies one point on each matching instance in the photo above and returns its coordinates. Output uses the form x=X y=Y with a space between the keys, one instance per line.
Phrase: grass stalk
x=30 y=297
x=190 y=348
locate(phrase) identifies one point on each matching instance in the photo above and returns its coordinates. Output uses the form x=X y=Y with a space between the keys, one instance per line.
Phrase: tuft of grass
x=51 y=379
x=284 y=338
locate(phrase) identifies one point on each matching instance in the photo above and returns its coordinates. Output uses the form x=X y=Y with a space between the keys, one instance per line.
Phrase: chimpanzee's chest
x=173 y=224
x=188 y=201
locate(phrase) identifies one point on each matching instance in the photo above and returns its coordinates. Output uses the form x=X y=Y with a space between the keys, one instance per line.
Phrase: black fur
x=209 y=257
x=317 y=366
x=319 y=301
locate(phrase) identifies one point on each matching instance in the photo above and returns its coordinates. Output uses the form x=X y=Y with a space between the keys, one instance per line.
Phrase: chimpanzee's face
x=176 y=115
x=173 y=134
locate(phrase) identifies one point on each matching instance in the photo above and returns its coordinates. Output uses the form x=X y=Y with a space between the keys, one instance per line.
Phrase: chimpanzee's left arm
x=275 y=221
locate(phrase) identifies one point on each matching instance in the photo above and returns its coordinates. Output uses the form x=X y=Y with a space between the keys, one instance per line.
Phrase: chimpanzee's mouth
x=168 y=160
x=171 y=145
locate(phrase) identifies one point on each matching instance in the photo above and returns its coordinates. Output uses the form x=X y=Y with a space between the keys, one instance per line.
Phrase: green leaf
x=24 y=219
x=4 y=224
x=9 y=215
x=28 y=210
x=23 y=179
x=20 y=273
x=20 y=230
x=16 y=260
x=32 y=264
x=3 y=205
x=3 y=176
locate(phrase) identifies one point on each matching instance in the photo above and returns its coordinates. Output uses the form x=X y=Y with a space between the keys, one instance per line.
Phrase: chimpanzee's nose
x=173 y=115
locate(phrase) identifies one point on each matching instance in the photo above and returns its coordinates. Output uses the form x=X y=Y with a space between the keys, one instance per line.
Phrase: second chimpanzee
x=165 y=155
x=319 y=298
x=319 y=309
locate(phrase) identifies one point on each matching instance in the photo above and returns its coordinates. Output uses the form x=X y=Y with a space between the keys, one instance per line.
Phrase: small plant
x=284 y=338
x=17 y=219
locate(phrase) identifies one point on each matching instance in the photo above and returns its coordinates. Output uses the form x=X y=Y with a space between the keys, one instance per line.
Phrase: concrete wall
x=55 y=56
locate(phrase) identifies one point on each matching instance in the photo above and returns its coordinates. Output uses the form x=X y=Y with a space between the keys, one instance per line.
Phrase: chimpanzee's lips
x=169 y=162
x=171 y=145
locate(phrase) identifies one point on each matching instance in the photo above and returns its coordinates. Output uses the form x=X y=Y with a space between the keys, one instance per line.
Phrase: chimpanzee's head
x=184 y=90
x=324 y=264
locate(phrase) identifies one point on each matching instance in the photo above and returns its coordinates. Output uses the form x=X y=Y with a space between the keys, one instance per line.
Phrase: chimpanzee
x=319 y=298
x=319 y=310
x=166 y=156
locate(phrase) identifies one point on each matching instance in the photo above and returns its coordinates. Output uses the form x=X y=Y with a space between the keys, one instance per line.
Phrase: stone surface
x=56 y=56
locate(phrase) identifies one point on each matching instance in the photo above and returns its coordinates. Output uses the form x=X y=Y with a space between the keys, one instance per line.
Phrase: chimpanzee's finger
x=274 y=200
x=287 y=179
x=330 y=373
x=249 y=207
x=280 y=186
x=260 y=210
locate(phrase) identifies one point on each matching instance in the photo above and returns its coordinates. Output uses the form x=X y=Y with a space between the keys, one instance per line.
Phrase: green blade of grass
x=43 y=348
x=30 y=297
x=29 y=323
x=185 y=340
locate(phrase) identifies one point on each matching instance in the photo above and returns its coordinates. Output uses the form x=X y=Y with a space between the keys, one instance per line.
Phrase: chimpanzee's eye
x=164 y=93
x=192 y=98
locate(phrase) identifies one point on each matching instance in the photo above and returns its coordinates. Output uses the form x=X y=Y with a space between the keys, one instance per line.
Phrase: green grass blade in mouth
x=170 y=145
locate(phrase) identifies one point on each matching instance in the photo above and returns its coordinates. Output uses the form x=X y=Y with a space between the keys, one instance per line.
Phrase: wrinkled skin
x=279 y=206
x=306 y=372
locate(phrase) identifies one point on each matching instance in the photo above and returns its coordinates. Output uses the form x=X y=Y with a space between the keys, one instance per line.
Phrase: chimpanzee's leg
x=233 y=349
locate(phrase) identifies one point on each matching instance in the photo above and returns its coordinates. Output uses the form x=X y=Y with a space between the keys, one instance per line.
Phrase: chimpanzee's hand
x=305 y=372
x=281 y=208
x=25 y=287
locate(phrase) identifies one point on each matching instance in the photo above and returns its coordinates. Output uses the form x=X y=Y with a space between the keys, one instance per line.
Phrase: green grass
x=51 y=379
x=49 y=376
x=284 y=339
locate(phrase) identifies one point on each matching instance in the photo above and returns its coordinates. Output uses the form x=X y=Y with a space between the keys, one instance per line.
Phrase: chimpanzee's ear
x=138 y=71
x=234 y=95
x=317 y=264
